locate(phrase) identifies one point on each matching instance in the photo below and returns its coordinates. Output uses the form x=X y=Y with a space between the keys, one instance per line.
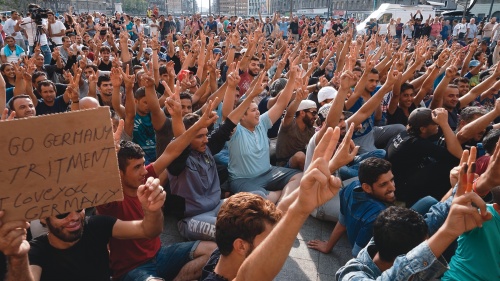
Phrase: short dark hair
x=405 y=86
x=103 y=78
x=128 y=150
x=189 y=120
x=46 y=83
x=397 y=230
x=243 y=215
x=93 y=66
x=10 y=104
x=140 y=93
x=490 y=140
x=163 y=70
x=36 y=75
x=371 y=168
x=185 y=96
x=105 y=49
x=468 y=113
x=460 y=80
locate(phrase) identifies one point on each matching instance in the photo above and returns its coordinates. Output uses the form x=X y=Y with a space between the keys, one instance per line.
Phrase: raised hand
x=347 y=79
x=5 y=115
x=440 y=116
x=345 y=153
x=318 y=185
x=392 y=77
x=209 y=115
x=13 y=237
x=233 y=78
x=151 y=195
x=128 y=79
x=116 y=77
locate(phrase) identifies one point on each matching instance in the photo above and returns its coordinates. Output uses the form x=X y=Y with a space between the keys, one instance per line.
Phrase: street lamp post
x=491 y=9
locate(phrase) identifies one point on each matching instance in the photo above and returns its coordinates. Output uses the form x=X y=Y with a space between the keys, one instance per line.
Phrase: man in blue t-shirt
x=49 y=103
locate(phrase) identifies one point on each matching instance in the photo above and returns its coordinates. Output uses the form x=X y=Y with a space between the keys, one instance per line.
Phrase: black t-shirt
x=59 y=106
x=294 y=27
x=399 y=117
x=87 y=260
x=105 y=67
x=337 y=28
x=208 y=270
x=3 y=266
x=60 y=89
x=116 y=27
x=407 y=152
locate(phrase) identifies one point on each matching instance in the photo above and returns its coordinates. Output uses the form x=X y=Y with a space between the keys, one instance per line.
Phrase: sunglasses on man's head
x=62 y=216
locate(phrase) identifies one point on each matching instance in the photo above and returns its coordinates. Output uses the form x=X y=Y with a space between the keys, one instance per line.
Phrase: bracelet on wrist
x=475 y=190
x=75 y=101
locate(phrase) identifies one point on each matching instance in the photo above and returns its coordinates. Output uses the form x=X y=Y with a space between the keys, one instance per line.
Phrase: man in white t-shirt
x=471 y=29
x=154 y=26
x=461 y=29
x=328 y=26
x=8 y=28
x=29 y=26
x=56 y=29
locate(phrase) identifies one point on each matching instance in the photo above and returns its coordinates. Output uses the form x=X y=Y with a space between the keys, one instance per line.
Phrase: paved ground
x=302 y=263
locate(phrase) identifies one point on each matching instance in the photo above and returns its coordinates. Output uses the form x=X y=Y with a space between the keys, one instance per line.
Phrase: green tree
x=135 y=7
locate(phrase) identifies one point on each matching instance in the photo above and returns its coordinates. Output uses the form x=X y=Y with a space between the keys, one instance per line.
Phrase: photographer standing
x=30 y=26
x=56 y=29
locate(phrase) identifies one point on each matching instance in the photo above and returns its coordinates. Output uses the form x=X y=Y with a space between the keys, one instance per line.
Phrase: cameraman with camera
x=36 y=29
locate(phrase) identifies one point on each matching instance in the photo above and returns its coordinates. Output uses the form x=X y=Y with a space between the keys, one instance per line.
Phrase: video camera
x=37 y=13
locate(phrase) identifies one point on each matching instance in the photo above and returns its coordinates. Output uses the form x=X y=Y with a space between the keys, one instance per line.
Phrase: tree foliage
x=135 y=7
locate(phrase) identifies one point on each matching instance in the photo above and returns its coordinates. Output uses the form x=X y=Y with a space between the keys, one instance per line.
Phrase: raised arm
x=475 y=127
x=316 y=187
x=277 y=110
x=116 y=81
x=360 y=87
x=371 y=105
x=440 y=116
x=129 y=101
x=294 y=105
x=15 y=247
x=480 y=88
x=158 y=117
x=152 y=197
x=437 y=99
x=396 y=91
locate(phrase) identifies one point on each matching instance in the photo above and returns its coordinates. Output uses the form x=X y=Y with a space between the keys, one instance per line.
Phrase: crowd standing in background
x=243 y=127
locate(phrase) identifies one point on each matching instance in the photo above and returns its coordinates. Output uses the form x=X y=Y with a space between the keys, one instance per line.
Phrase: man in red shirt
x=140 y=259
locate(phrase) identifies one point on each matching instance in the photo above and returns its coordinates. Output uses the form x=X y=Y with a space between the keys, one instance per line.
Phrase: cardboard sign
x=58 y=163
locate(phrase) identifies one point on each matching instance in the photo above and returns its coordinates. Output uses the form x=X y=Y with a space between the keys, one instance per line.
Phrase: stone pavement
x=302 y=263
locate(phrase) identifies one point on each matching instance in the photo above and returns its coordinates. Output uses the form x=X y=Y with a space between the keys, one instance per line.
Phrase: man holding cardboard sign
x=76 y=247
x=51 y=170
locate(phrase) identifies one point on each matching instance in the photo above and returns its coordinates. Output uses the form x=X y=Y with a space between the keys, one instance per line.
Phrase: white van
x=387 y=11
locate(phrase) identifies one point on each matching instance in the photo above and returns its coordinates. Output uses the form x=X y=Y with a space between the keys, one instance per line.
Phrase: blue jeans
x=166 y=264
x=423 y=205
x=47 y=55
x=351 y=170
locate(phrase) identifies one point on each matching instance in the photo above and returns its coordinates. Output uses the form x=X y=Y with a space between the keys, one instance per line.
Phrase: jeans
x=351 y=170
x=166 y=264
x=423 y=205
x=47 y=55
